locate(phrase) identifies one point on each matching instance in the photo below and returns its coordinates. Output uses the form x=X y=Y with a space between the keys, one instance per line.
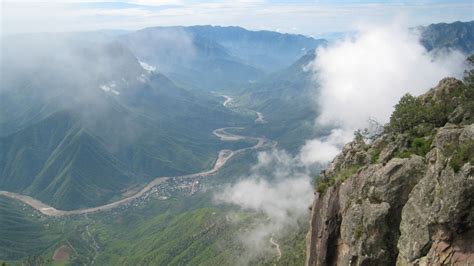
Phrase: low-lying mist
x=279 y=187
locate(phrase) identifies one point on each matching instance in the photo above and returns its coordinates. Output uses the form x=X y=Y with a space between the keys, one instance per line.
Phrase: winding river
x=222 y=158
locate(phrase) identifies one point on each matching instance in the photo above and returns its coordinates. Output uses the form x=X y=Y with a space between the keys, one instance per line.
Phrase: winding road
x=227 y=100
x=277 y=246
x=222 y=158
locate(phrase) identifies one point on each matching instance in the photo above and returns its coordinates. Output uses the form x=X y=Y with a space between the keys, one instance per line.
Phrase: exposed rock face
x=352 y=222
x=439 y=215
x=397 y=211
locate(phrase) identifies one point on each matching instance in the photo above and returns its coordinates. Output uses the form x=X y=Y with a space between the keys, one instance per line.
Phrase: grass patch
x=419 y=146
x=464 y=154
x=358 y=232
x=339 y=177
x=375 y=154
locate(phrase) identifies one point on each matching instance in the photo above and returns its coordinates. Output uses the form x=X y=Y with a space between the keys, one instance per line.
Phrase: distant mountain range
x=457 y=35
x=217 y=57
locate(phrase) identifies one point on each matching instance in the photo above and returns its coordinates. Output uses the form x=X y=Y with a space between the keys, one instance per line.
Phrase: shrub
x=418 y=118
x=464 y=154
x=358 y=232
x=375 y=154
x=407 y=114
x=323 y=184
x=403 y=154
x=421 y=146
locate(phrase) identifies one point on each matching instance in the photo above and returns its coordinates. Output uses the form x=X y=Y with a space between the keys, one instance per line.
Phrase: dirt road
x=277 y=246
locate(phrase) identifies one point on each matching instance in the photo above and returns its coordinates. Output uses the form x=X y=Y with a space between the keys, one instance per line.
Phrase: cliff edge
x=406 y=195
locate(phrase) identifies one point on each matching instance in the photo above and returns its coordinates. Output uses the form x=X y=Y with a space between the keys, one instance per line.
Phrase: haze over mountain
x=216 y=57
x=91 y=117
x=228 y=118
x=276 y=94
x=457 y=36
x=286 y=99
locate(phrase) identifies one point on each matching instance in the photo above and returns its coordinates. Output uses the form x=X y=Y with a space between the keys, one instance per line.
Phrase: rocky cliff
x=406 y=196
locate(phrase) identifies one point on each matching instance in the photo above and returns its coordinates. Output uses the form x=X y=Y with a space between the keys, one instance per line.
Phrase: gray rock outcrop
x=375 y=208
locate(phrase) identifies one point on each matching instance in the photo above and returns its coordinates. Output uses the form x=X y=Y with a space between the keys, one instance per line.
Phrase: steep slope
x=62 y=163
x=82 y=120
x=281 y=89
x=457 y=35
x=405 y=198
x=286 y=99
x=44 y=73
x=24 y=235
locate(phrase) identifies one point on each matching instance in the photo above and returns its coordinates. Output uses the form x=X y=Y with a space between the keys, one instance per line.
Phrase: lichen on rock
x=410 y=199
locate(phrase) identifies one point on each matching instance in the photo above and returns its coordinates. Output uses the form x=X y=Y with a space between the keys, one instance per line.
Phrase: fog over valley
x=236 y=133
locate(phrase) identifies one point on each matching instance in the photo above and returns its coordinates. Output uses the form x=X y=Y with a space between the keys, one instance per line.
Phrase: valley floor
x=222 y=158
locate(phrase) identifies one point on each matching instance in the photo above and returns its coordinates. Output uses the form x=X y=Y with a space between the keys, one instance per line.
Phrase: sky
x=315 y=18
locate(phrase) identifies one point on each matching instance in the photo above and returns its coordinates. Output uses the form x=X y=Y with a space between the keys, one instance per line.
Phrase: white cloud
x=298 y=17
x=278 y=187
x=280 y=200
x=127 y=12
x=364 y=78
x=156 y=2
x=324 y=149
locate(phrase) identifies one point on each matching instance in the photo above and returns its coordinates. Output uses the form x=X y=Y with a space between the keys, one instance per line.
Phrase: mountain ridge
x=456 y=35
x=210 y=57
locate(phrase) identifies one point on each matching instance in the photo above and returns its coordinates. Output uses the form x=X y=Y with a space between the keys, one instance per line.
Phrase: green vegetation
x=339 y=177
x=65 y=161
x=407 y=114
x=462 y=155
x=359 y=231
x=375 y=154
x=179 y=230
x=419 y=116
x=419 y=146
x=415 y=118
x=72 y=153
x=22 y=234
x=285 y=99
x=67 y=142
x=293 y=247
x=172 y=232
